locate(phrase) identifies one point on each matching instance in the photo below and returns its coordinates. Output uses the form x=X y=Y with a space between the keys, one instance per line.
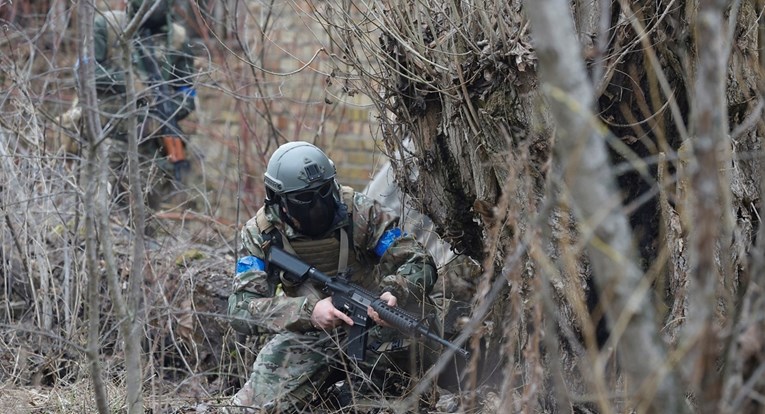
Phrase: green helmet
x=301 y=179
x=297 y=166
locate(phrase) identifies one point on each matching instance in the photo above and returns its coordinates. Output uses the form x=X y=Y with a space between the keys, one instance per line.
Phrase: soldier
x=164 y=69
x=332 y=228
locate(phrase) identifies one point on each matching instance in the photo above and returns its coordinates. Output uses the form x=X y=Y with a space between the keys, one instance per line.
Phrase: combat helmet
x=300 y=178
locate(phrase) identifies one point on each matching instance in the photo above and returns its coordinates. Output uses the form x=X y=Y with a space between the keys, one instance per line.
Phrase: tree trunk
x=582 y=166
x=91 y=132
x=615 y=262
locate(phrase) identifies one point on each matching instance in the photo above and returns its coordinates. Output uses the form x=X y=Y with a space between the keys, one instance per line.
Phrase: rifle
x=170 y=131
x=354 y=300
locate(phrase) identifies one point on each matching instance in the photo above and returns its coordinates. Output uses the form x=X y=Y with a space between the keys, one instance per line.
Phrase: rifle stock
x=354 y=301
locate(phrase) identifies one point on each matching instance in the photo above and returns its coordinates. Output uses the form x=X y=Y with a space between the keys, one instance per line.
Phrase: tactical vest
x=329 y=255
x=332 y=256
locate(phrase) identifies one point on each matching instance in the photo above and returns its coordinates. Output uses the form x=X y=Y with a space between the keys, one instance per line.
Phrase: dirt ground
x=78 y=398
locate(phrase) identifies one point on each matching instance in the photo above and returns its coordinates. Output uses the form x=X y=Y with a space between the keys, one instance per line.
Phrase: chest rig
x=332 y=255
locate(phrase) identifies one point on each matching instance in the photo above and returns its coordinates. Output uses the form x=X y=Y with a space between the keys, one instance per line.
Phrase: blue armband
x=188 y=91
x=248 y=263
x=386 y=240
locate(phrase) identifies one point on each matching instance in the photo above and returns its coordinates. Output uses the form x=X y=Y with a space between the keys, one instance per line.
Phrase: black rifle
x=354 y=300
x=170 y=131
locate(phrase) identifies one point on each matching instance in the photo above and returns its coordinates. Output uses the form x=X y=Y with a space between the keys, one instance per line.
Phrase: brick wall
x=291 y=75
x=342 y=127
x=290 y=78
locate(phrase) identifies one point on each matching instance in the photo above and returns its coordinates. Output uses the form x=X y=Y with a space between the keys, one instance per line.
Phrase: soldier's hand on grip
x=390 y=300
x=326 y=316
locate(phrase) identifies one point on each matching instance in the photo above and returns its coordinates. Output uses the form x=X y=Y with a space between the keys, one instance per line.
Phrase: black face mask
x=315 y=210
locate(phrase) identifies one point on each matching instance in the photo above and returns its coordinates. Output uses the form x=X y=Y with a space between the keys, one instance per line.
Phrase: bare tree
x=638 y=226
x=601 y=159
x=130 y=310
x=93 y=199
x=708 y=205
x=581 y=161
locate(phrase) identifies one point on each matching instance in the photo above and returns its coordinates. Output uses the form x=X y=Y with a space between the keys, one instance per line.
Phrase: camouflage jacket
x=171 y=50
x=385 y=259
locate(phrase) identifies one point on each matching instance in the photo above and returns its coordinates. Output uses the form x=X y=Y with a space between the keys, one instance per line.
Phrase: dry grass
x=192 y=356
x=78 y=398
x=60 y=399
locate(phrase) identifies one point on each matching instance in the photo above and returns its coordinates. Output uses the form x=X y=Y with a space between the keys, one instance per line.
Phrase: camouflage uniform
x=170 y=49
x=294 y=364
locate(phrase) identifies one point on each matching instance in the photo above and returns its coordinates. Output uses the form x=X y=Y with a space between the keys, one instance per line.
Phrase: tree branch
x=583 y=160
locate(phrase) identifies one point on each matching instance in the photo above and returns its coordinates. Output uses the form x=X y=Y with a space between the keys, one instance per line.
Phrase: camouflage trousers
x=292 y=369
x=156 y=177
x=156 y=171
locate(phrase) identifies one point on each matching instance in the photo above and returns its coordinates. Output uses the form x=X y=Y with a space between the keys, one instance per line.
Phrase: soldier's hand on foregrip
x=326 y=316
x=389 y=300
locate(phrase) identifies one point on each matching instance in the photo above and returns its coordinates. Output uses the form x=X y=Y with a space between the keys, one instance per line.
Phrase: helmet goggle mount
x=308 y=196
